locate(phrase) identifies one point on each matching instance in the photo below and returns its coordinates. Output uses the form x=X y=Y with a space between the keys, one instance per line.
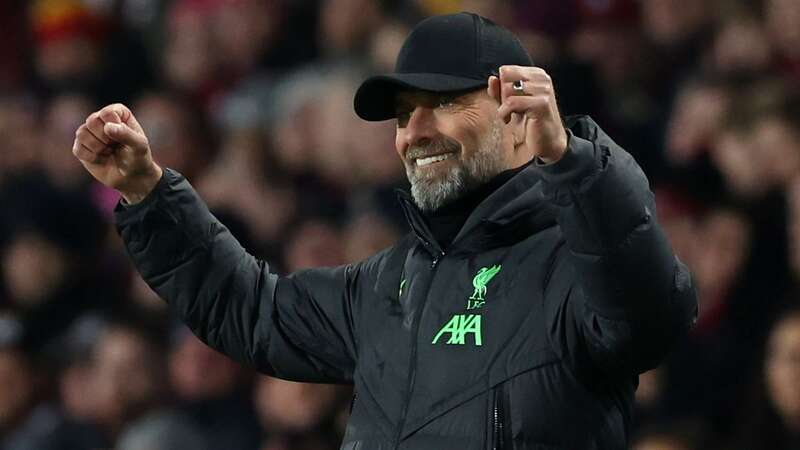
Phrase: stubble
x=431 y=190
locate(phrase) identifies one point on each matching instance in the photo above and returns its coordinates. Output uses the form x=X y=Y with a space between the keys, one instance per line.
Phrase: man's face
x=450 y=144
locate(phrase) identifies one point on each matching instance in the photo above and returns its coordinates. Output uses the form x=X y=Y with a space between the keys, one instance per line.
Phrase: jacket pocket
x=499 y=428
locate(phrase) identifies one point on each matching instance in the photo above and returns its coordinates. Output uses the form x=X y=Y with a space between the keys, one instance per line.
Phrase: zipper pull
x=436 y=260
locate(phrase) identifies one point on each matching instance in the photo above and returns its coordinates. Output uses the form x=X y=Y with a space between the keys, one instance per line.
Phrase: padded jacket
x=527 y=332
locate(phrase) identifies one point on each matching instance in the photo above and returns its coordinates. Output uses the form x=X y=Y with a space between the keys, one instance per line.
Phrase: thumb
x=123 y=134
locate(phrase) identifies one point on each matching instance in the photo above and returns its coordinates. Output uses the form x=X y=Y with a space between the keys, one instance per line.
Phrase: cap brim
x=374 y=99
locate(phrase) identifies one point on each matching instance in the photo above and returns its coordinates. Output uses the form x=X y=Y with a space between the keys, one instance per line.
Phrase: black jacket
x=528 y=332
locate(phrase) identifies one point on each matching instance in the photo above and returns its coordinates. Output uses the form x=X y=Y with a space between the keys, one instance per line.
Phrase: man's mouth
x=433 y=159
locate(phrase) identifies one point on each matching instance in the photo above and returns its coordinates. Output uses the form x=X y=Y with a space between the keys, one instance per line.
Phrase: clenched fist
x=112 y=146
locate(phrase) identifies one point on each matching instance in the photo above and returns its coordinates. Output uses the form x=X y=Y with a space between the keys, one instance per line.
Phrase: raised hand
x=112 y=146
x=532 y=105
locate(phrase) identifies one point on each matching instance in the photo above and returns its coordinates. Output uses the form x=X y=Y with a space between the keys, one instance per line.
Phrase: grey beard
x=431 y=193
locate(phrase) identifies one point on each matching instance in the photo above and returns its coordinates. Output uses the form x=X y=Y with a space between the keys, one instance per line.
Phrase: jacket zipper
x=436 y=260
x=498 y=420
x=353 y=402
x=413 y=357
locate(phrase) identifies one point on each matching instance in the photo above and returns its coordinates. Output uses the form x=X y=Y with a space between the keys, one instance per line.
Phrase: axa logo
x=459 y=327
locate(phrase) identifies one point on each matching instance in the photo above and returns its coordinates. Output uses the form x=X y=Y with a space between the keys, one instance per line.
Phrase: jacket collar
x=510 y=214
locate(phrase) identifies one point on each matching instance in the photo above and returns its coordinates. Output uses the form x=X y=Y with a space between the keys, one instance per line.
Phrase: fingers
x=533 y=107
x=122 y=133
x=117 y=113
x=514 y=73
x=529 y=105
x=92 y=135
x=107 y=115
x=86 y=156
x=534 y=80
x=493 y=89
x=87 y=147
x=89 y=139
x=536 y=95
x=104 y=130
x=528 y=88
x=121 y=126
x=96 y=139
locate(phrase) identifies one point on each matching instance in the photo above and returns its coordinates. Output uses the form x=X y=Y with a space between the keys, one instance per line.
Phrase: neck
x=446 y=221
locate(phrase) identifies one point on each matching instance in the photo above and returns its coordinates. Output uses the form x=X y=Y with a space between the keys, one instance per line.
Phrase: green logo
x=399 y=294
x=459 y=326
x=482 y=278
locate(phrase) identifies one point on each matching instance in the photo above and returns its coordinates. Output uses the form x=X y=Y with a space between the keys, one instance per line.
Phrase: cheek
x=470 y=129
x=469 y=142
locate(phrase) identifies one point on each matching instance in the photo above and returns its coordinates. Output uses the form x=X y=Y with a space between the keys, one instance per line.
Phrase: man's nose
x=421 y=125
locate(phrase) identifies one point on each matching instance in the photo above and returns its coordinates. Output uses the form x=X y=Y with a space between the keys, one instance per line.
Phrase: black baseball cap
x=449 y=53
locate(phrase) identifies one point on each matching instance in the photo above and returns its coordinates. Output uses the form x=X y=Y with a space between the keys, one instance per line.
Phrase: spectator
x=22 y=429
x=782 y=20
x=236 y=182
x=740 y=46
x=65 y=114
x=17 y=124
x=29 y=420
x=673 y=436
x=314 y=244
x=69 y=38
x=717 y=348
x=366 y=235
x=297 y=415
x=177 y=132
x=774 y=420
x=345 y=24
x=213 y=393
x=128 y=377
x=162 y=431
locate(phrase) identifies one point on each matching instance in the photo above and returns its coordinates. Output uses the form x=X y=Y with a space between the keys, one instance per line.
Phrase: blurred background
x=252 y=101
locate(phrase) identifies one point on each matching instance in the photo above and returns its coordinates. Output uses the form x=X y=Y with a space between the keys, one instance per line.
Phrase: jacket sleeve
x=299 y=327
x=622 y=298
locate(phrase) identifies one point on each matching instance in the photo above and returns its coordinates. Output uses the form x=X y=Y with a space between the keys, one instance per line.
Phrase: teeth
x=432 y=159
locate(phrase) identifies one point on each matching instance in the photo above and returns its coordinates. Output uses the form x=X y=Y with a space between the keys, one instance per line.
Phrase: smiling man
x=441 y=168
x=534 y=286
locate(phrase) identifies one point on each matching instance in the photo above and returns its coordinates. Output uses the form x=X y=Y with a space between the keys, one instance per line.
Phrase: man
x=536 y=284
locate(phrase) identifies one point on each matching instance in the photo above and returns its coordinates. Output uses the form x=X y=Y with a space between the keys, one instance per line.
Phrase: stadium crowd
x=252 y=101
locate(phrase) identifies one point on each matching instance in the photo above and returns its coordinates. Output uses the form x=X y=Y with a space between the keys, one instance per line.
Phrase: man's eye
x=446 y=101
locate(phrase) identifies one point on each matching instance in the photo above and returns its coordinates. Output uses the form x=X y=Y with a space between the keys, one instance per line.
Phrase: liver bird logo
x=482 y=278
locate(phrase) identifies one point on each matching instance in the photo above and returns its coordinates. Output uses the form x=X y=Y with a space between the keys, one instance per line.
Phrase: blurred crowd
x=252 y=101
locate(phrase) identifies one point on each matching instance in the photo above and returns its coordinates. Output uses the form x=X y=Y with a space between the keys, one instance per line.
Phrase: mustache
x=436 y=147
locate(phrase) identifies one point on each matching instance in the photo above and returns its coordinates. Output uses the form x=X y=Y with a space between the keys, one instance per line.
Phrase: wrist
x=555 y=156
x=139 y=188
